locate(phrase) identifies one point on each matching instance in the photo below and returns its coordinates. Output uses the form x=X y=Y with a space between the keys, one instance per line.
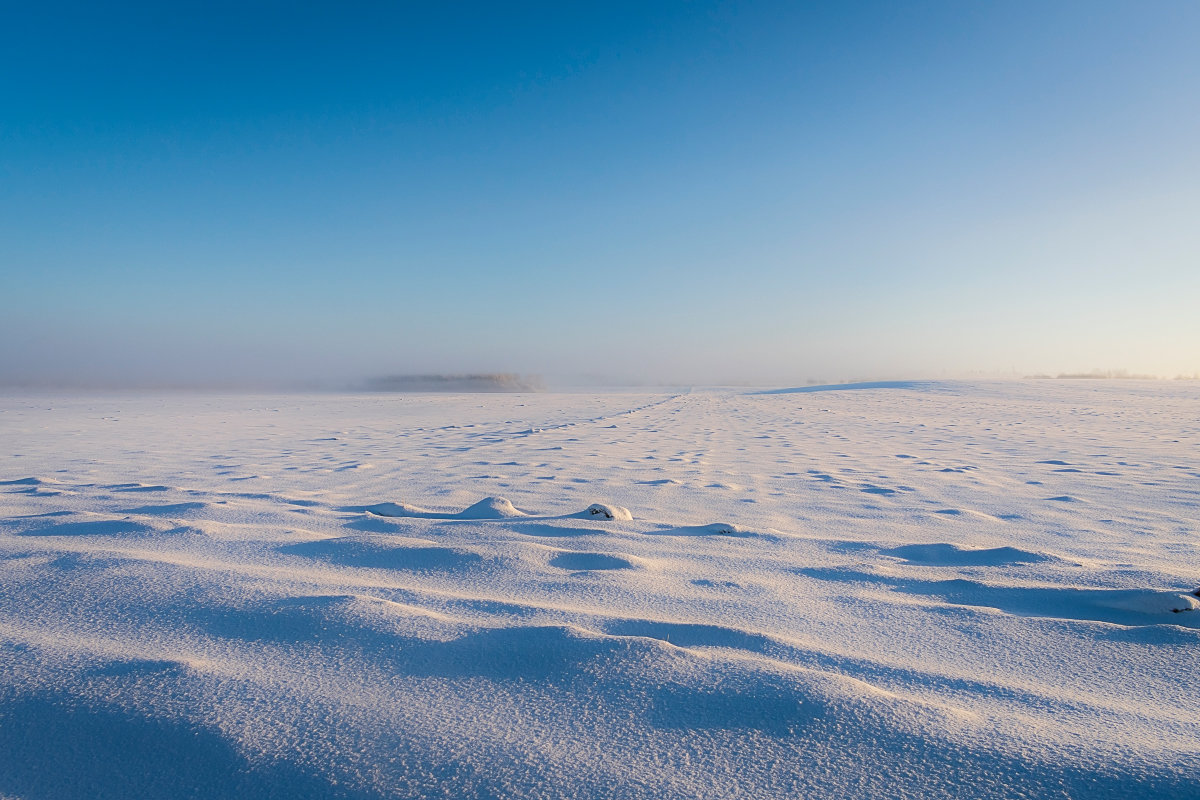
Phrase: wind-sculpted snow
x=918 y=590
x=945 y=555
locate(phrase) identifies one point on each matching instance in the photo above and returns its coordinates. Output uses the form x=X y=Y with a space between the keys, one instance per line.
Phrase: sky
x=677 y=192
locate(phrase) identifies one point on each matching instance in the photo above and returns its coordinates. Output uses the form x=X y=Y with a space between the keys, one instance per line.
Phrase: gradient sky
x=674 y=191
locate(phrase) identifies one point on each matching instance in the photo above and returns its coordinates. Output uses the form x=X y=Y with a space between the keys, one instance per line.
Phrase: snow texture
x=905 y=590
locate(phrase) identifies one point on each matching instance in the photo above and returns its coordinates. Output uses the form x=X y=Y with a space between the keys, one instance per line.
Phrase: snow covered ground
x=908 y=590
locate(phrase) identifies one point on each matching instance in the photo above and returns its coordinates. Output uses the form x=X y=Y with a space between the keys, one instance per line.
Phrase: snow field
x=916 y=589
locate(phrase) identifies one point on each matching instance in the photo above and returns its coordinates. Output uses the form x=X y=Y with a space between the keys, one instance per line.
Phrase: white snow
x=910 y=589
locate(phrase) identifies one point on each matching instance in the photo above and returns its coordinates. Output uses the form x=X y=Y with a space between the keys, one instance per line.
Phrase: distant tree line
x=486 y=382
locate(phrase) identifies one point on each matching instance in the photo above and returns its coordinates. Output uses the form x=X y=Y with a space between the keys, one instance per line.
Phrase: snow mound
x=1149 y=601
x=395 y=510
x=720 y=529
x=603 y=511
x=491 y=508
x=487 y=508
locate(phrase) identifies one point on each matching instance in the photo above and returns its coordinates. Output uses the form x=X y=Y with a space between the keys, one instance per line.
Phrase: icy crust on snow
x=979 y=591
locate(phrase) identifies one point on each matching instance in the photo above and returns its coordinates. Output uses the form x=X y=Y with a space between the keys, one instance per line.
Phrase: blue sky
x=698 y=192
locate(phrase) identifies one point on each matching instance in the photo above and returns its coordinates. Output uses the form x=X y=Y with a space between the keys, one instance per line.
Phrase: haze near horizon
x=691 y=192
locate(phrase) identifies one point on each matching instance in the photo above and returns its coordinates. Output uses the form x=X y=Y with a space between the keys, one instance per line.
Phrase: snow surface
x=911 y=590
